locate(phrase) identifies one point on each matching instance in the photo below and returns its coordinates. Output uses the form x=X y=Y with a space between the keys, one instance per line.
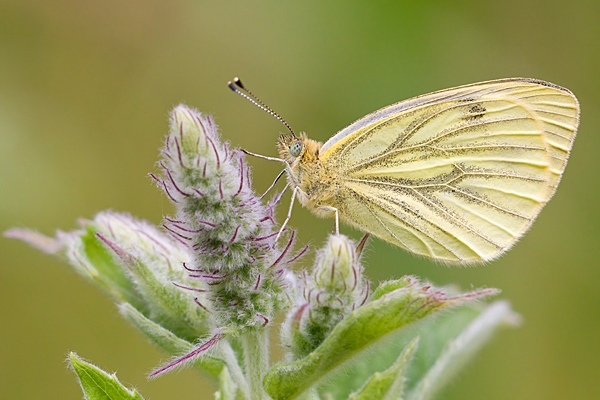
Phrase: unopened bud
x=331 y=293
x=191 y=137
x=337 y=268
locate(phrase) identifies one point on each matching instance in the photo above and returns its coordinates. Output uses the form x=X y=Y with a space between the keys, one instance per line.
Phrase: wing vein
x=488 y=203
x=413 y=130
x=490 y=146
x=462 y=223
x=430 y=250
x=555 y=113
x=388 y=152
x=570 y=128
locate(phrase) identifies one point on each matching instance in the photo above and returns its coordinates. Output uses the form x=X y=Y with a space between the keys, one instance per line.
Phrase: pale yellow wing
x=457 y=175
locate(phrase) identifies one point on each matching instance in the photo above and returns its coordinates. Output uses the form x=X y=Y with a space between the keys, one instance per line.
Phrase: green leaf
x=360 y=330
x=109 y=274
x=387 y=385
x=386 y=287
x=458 y=351
x=168 y=341
x=170 y=306
x=434 y=335
x=99 y=385
x=312 y=394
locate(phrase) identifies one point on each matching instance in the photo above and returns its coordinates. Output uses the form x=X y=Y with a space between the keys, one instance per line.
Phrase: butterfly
x=457 y=175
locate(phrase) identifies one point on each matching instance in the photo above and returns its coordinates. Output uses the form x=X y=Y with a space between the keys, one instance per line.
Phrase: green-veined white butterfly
x=457 y=175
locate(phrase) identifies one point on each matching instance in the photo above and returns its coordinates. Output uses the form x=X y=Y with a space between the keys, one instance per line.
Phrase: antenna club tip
x=238 y=82
x=238 y=87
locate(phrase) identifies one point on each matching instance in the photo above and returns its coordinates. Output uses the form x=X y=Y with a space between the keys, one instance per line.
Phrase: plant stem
x=256 y=359
x=234 y=369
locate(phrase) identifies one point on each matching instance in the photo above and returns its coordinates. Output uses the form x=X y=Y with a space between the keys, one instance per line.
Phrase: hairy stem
x=235 y=370
x=256 y=359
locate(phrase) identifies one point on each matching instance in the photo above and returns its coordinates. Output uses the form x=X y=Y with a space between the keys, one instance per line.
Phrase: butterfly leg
x=337 y=217
x=280 y=195
x=337 y=221
x=289 y=214
x=272 y=184
x=263 y=157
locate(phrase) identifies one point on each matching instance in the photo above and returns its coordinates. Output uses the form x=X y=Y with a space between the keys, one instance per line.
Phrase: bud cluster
x=229 y=232
x=335 y=288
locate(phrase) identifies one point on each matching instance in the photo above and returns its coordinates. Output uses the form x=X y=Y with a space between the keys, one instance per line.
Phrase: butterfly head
x=298 y=148
x=291 y=147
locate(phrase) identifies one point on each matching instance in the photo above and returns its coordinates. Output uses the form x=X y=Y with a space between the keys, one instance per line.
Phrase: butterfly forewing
x=457 y=175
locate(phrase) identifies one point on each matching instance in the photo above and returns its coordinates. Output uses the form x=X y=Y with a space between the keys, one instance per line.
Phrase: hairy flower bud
x=335 y=288
x=337 y=268
x=229 y=232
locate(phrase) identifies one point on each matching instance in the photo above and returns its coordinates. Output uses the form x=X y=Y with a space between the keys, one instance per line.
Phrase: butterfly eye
x=295 y=148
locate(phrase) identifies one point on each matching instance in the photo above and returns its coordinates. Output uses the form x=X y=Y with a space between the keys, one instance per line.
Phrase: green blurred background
x=85 y=90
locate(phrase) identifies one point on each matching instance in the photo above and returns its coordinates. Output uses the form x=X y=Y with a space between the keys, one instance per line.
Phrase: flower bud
x=228 y=231
x=337 y=268
x=335 y=288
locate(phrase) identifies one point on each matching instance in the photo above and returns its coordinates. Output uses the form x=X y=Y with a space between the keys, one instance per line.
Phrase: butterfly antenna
x=238 y=87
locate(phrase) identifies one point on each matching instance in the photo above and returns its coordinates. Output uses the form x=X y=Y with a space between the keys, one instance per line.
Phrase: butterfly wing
x=457 y=175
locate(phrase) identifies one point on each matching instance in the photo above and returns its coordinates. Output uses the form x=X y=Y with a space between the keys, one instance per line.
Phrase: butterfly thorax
x=316 y=186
